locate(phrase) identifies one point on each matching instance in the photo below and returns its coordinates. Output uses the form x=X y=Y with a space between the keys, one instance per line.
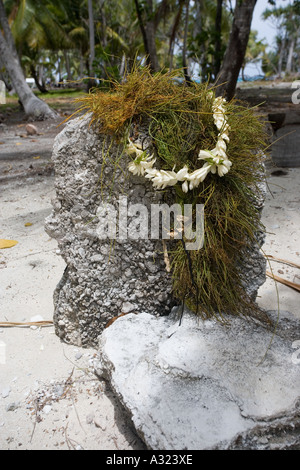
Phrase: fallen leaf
x=7 y=243
x=293 y=285
x=36 y=158
x=18 y=143
x=1 y=143
x=28 y=224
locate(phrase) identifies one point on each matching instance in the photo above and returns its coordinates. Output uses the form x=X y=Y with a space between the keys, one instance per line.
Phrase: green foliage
x=59 y=31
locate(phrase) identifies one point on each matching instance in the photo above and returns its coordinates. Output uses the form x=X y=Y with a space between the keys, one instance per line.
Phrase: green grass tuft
x=181 y=123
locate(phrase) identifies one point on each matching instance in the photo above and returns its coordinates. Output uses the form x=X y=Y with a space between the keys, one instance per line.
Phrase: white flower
x=221 y=145
x=151 y=172
x=228 y=164
x=216 y=159
x=199 y=175
x=222 y=170
x=183 y=173
x=220 y=149
x=134 y=149
x=222 y=166
x=164 y=178
x=203 y=154
x=218 y=103
x=141 y=164
x=185 y=186
x=224 y=136
x=133 y=168
x=219 y=120
x=161 y=178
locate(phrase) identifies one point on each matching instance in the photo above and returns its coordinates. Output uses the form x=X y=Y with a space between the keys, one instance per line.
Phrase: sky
x=264 y=27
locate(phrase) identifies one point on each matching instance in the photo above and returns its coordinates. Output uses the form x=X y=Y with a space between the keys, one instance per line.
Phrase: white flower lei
x=216 y=160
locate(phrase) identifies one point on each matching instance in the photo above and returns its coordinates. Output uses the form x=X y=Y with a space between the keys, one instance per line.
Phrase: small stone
x=96 y=258
x=47 y=409
x=31 y=129
x=98 y=420
x=5 y=392
x=127 y=307
x=263 y=440
x=58 y=390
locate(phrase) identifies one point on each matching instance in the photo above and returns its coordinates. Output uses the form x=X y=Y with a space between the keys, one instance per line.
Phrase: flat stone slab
x=203 y=385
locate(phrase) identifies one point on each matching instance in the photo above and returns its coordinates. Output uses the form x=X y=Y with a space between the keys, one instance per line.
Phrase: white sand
x=49 y=395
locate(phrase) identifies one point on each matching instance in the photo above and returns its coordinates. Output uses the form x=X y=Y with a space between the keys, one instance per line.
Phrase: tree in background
x=209 y=33
x=284 y=59
x=38 y=34
x=255 y=52
x=218 y=38
x=92 y=43
x=149 y=14
x=236 y=48
x=33 y=106
x=73 y=39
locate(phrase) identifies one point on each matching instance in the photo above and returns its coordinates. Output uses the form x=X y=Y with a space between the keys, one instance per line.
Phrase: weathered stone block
x=204 y=385
x=103 y=277
x=107 y=277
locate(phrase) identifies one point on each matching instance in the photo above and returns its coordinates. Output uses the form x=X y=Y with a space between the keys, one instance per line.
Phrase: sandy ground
x=49 y=396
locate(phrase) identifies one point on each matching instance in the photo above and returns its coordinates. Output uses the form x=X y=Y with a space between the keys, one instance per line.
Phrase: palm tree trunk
x=68 y=67
x=289 y=62
x=92 y=44
x=281 y=55
x=184 y=59
x=33 y=106
x=122 y=66
x=198 y=28
x=4 y=77
x=39 y=85
x=218 y=44
x=148 y=28
x=236 y=49
x=174 y=32
x=152 y=54
x=81 y=66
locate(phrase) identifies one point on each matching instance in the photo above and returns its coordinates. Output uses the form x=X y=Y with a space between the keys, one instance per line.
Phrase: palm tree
x=92 y=42
x=236 y=48
x=33 y=106
x=286 y=19
x=150 y=14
